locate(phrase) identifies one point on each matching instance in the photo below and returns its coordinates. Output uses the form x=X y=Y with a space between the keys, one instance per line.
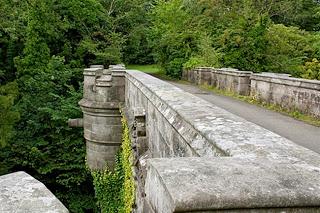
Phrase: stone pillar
x=204 y=75
x=102 y=96
x=185 y=74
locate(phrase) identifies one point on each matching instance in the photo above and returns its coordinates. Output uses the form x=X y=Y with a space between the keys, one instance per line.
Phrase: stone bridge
x=192 y=156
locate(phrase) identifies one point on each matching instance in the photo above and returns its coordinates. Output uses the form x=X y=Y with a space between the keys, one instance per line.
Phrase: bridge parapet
x=274 y=88
x=292 y=93
x=201 y=158
x=204 y=158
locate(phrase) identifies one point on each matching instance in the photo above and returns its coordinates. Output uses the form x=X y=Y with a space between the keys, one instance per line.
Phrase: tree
x=8 y=116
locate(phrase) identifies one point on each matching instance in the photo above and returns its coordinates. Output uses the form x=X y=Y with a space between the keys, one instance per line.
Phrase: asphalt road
x=297 y=131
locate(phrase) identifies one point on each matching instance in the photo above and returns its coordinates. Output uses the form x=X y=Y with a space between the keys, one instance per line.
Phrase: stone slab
x=21 y=193
x=207 y=184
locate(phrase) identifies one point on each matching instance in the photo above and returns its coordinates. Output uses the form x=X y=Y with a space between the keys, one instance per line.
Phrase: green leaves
x=238 y=34
x=288 y=48
x=311 y=69
x=8 y=115
x=44 y=45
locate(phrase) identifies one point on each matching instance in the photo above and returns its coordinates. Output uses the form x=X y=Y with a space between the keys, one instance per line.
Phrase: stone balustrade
x=274 y=88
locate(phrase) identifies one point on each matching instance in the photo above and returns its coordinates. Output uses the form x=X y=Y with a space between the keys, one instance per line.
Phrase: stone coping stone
x=117 y=66
x=104 y=81
x=204 y=184
x=204 y=69
x=21 y=193
x=231 y=135
x=287 y=80
x=92 y=71
x=97 y=66
x=118 y=70
x=231 y=71
x=276 y=74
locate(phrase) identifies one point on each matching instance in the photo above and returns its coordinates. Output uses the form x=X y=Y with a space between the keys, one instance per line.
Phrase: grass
x=152 y=69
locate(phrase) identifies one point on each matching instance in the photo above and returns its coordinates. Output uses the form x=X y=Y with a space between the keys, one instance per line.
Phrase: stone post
x=102 y=96
x=204 y=76
x=185 y=74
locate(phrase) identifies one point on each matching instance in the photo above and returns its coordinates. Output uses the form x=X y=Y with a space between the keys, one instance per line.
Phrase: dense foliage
x=44 y=44
x=114 y=189
x=269 y=36
x=8 y=116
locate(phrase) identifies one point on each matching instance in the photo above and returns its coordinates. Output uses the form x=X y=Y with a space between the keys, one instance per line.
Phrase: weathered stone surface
x=167 y=140
x=224 y=78
x=21 y=193
x=290 y=93
x=103 y=95
x=276 y=88
x=202 y=184
x=101 y=155
x=97 y=66
x=78 y=122
x=232 y=80
x=208 y=130
x=233 y=165
x=203 y=75
x=179 y=124
x=89 y=82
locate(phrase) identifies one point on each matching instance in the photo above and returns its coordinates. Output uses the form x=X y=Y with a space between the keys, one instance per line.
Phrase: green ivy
x=114 y=189
x=126 y=162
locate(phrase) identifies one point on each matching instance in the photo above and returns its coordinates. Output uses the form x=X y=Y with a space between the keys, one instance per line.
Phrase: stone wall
x=225 y=78
x=192 y=156
x=281 y=89
x=169 y=134
x=292 y=93
x=203 y=158
x=231 y=80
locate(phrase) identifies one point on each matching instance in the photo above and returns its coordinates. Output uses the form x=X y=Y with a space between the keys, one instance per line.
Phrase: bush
x=288 y=48
x=311 y=70
x=174 y=67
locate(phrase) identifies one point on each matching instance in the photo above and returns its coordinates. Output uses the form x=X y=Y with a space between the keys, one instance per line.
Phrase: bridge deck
x=297 y=131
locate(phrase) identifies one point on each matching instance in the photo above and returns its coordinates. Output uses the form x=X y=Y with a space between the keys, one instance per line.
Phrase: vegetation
x=44 y=45
x=150 y=69
x=8 y=116
x=114 y=189
x=270 y=36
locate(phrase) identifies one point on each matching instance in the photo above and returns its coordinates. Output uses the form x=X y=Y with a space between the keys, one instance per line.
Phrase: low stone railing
x=20 y=192
x=291 y=93
x=281 y=89
x=192 y=156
